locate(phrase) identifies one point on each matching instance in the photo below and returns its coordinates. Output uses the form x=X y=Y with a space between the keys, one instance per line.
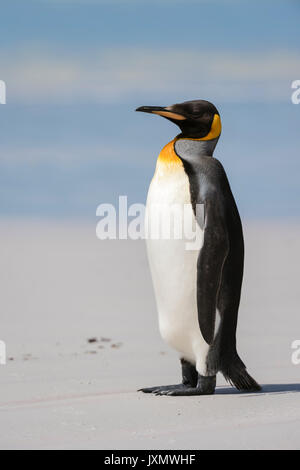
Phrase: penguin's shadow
x=270 y=389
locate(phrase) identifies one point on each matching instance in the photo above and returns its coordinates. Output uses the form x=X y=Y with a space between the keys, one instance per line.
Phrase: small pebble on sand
x=92 y=340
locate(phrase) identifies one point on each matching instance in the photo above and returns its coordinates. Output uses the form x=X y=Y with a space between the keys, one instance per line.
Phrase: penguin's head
x=197 y=119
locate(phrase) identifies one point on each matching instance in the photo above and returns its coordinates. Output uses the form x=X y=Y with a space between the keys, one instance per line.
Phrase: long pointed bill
x=161 y=111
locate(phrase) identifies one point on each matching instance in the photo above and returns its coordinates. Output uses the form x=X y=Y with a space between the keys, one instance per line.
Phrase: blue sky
x=75 y=71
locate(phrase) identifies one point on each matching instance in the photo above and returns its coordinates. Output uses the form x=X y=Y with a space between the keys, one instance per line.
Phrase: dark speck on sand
x=92 y=340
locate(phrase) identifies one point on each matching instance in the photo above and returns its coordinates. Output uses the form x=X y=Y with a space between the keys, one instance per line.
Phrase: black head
x=197 y=119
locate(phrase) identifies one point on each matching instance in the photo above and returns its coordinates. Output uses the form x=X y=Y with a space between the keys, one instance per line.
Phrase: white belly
x=174 y=270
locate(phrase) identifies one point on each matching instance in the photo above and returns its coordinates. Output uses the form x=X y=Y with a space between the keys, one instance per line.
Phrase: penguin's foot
x=205 y=386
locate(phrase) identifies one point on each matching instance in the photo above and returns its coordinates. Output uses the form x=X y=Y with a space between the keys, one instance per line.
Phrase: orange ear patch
x=215 y=129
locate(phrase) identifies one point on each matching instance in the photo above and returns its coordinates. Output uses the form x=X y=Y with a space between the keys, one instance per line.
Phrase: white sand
x=60 y=286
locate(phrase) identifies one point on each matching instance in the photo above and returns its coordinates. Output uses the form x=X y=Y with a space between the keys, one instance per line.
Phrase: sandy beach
x=61 y=288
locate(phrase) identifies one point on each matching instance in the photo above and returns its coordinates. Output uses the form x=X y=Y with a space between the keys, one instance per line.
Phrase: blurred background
x=75 y=71
x=78 y=314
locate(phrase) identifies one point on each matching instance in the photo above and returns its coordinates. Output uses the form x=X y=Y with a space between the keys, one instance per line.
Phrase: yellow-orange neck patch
x=167 y=159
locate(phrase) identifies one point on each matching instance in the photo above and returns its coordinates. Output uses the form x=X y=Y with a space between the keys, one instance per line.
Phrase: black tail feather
x=225 y=359
x=236 y=374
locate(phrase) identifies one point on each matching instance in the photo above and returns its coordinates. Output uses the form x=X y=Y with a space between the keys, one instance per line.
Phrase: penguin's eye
x=203 y=116
x=195 y=114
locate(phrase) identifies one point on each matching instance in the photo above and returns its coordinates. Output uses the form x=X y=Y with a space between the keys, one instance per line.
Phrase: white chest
x=174 y=266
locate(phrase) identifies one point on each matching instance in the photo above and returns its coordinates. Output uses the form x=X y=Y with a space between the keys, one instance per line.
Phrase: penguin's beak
x=161 y=111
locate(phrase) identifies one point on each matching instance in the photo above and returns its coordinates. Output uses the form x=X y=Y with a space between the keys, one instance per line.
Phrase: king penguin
x=193 y=287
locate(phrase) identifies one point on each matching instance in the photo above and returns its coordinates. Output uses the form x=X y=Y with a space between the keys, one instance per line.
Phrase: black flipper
x=210 y=264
